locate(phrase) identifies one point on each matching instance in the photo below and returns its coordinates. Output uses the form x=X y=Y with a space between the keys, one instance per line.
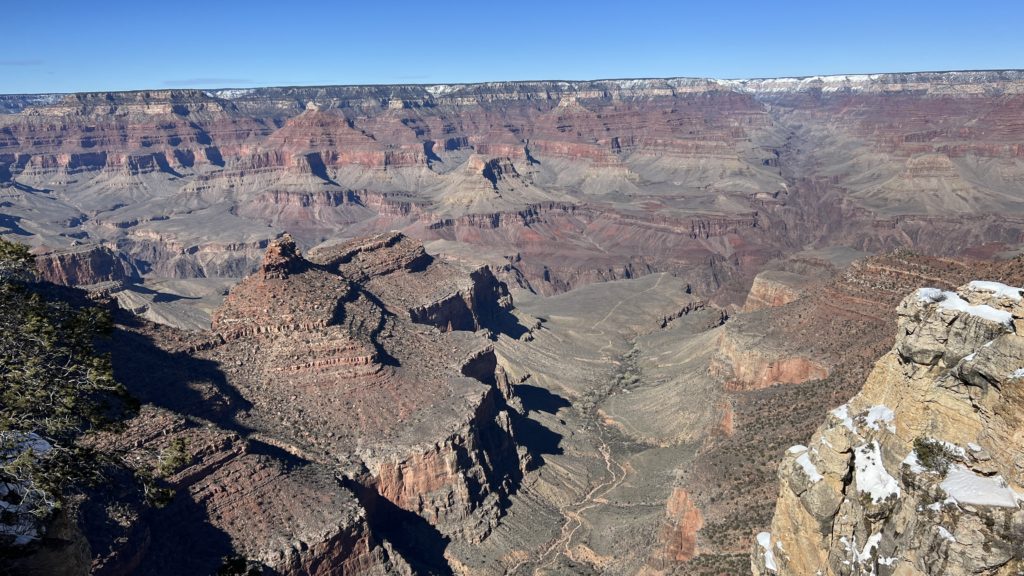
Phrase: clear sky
x=78 y=45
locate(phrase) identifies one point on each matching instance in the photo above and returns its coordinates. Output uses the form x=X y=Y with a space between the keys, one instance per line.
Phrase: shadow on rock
x=415 y=539
x=537 y=439
x=537 y=399
x=176 y=381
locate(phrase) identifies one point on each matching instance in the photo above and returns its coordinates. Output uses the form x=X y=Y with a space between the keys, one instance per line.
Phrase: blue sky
x=117 y=45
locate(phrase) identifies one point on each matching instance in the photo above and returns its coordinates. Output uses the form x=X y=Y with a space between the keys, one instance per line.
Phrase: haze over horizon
x=125 y=46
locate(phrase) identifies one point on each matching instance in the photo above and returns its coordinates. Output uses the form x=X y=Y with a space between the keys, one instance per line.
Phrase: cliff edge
x=922 y=472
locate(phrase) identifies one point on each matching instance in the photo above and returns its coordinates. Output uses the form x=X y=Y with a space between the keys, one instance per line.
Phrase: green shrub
x=54 y=385
x=933 y=455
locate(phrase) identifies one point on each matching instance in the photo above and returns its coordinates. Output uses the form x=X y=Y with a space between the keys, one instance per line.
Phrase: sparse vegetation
x=174 y=458
x=933 y=455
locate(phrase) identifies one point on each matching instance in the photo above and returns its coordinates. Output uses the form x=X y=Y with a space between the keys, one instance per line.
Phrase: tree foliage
x=54 y=386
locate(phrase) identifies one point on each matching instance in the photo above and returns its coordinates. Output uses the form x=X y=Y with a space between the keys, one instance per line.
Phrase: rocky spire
x=282 y=258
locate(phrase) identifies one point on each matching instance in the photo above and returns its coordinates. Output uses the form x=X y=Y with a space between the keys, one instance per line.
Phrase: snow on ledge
x=871 y=476
x=764 y=539
x=880 y=413
x=952 y=301
x=914 y=464
x=966 y=487
x=842 y=414
x=999 y=289
x=810 y=469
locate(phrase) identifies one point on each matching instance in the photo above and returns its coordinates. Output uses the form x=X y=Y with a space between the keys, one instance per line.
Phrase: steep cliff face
x=921 y=472
x=84 y=265
x=771 y=289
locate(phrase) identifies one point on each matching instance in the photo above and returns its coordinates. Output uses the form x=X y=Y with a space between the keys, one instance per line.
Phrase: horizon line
x=533 y=81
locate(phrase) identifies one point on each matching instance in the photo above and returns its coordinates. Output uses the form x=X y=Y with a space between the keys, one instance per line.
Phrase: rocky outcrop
x=773 y=288
x=921 y=472
x=679 y=531
x=751 y=360
x=291 y=520
x=337 y=372
x=83 y=265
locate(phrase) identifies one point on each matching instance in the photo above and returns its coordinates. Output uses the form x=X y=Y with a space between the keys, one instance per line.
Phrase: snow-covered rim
x=826 y=83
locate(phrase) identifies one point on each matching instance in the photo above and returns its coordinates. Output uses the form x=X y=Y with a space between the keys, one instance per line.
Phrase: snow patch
x=764 y=539
x=966 y=487
x=999 y=289
x=929 y=295
x=957 y=450
x=870 y=545
x=871 y=476
x=810 y=469
x=955 y=303
x=952 y=301
x=914 y=464
x=946 y=535
x=1018 y=373
x=880 y=413
x=842 y=413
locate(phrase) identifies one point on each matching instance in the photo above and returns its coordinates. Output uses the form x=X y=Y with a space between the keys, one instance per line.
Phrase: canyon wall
x=573 y=182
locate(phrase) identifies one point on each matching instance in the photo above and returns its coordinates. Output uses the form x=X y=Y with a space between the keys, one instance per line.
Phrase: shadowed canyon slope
x=571 y=182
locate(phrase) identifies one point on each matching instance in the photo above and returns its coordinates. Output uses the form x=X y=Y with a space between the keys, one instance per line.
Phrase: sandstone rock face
x=749 y=359
x=921 y=472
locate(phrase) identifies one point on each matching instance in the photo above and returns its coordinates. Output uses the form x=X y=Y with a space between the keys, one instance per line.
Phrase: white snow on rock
x=842 y=413
x=966 y=487
x=810 y=469
x=1018 y=373
x=870 y=545
x=870 y=474
x=912 y=461
x=880 y=413
x=929 y=295
x=952 y=301
x=946 y=534
x=956 y=450
x=764 y=539
x=998 y=288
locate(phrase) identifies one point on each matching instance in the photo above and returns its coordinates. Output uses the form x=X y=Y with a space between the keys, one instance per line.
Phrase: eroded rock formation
x=921 y=472
x=334 y=419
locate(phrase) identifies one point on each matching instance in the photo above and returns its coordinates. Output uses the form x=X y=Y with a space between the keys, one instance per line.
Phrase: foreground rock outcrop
x=922 y=472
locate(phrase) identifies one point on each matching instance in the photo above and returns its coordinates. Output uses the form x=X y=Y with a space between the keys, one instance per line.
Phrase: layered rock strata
x=921 y=472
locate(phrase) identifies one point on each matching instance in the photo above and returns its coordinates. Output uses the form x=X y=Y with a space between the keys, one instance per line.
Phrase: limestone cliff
x=922 y=472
